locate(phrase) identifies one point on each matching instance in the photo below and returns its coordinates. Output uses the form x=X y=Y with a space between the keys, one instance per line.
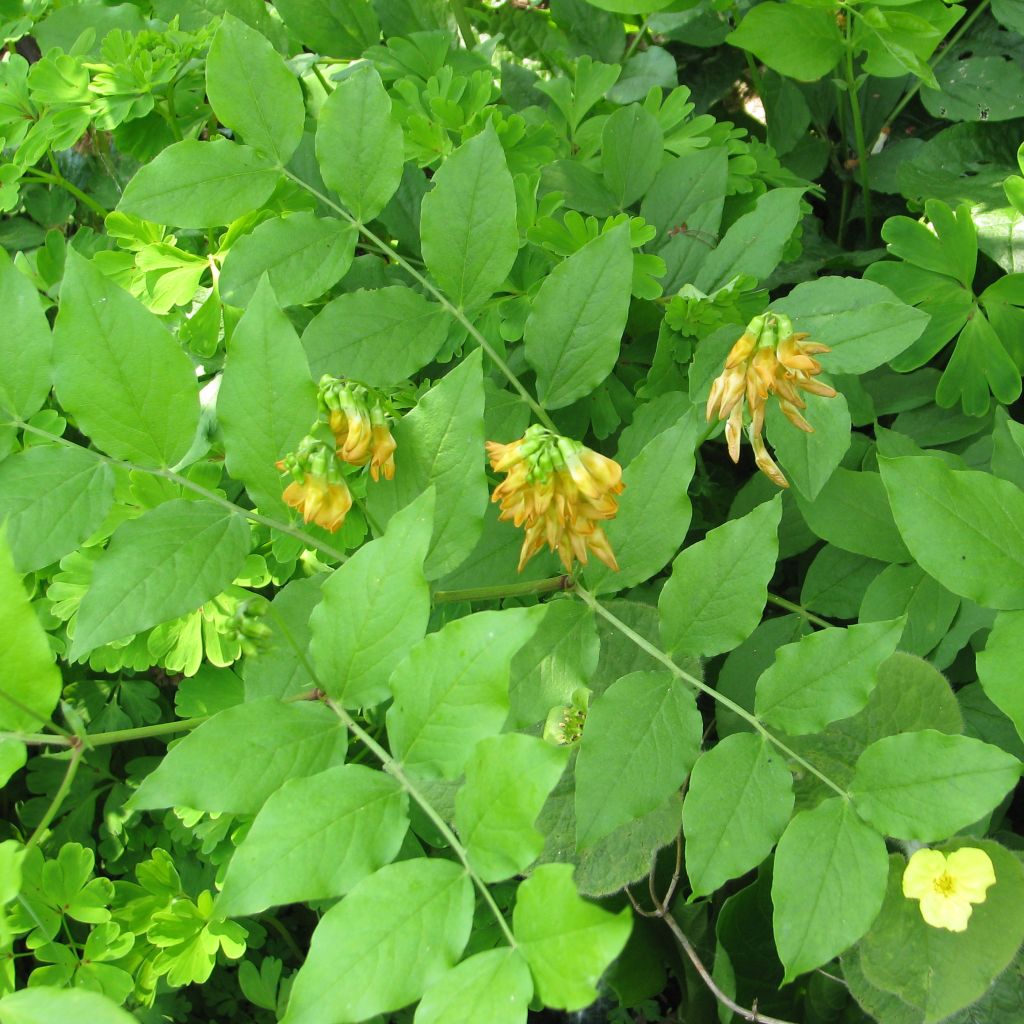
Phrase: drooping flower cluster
x=359 y=433
x=559 y=491
x=947 y=886
x=768 y=359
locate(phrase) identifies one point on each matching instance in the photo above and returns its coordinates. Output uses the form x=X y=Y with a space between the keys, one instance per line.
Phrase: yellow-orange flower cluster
x=359 y=434
x=768 y=359
x=559 y=491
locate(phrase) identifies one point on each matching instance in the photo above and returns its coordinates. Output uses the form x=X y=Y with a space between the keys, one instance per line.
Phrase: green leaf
x=828 y=885
x=31 y=683
x=863 y=323
x=303 y=254
x=493 y=986
x=42 y=1005
x=359 y=145
x=798 y=42
x=368 y=953
x=737 y=805
x=852 y=512
x=200 y=184
x=640 y=740
x=266 y=400
x=825 y=676
x=373 y=609
x=315 y=838
x=754 y=244
x=468 y=221
x=575 y=325
x=508 y=778
x=907 y=589
x=836 y=580
x=964 y=528
x=25 y=345
x=979 y=365
x=631 y=151
x=999 y=667
x=951 y=969
x=810 y=459
x=162 y=565
x=236 y=760
x=927 y=785
x=440 y=443
x=718 y=588
x=334 y=28
x=380 y=337
x=51 y=500
x=654 y=511
x=119 y=372
x=567 y=942
x=452 y=690
x=978 y=88
x=252 y=91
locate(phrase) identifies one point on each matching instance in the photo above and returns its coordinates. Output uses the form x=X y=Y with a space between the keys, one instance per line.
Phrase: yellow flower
x=320 y=500
x=559 y=491
x=382 y=446
x=947 y=886
x=760 y=365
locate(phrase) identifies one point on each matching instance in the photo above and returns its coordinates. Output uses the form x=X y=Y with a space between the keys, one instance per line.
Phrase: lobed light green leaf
x=393 y=936
x=718 y=588
x=236 y=760
x=373 y=609
x=641 y=737
x=162 y=565
x=120 y=373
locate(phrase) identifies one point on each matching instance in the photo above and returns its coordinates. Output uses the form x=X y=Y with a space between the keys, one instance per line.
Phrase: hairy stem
x=58 y=179
x=790 y=606
x=858 y=130
x=58 y=798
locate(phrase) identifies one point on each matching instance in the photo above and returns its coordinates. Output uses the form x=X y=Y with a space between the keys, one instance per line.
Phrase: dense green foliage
x=313 y=256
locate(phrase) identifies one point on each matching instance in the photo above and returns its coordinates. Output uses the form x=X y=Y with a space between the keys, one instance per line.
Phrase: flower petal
x=920 y=873
x=949 y=912
x=972 y=871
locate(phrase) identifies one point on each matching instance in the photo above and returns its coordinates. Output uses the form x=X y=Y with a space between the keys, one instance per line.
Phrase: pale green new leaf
x=25 y=344
x=162 y=565
x=928 y=785
x=379 y=337
x=441 y=443
x=828 y=885
x=303 y=254
x=640 y=740
x=51 y=500
x=452 y=690
x=492 y=986
x=508 y=778
x=194 y=184
x=737 y=805
x=999 y=666
x=392 y=937
x=654 y=510
x=30 y=684
x=964 y=528
x=826 y=676
x=236 y=760
x=575 y=326
x=468 y=221
x=373 y=609
x=567 y=942
x=120 y=373
x=267 y=400
x=359 y=145
x=315 y=838
x=252 y=91
x=718 y=588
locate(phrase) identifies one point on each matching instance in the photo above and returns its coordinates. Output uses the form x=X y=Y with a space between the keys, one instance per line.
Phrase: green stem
x=790 y=606
x=60 y=180
x=756 y=78
x=394 y=769
x=168 y=474
x=284 y=935
x=938 y=59
x=465 y=25
x=752 y=720
x=58 y=798
x=453 y=311
x=525 y=589
x=635 y=41
x=858 y=133
x=321 y=79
